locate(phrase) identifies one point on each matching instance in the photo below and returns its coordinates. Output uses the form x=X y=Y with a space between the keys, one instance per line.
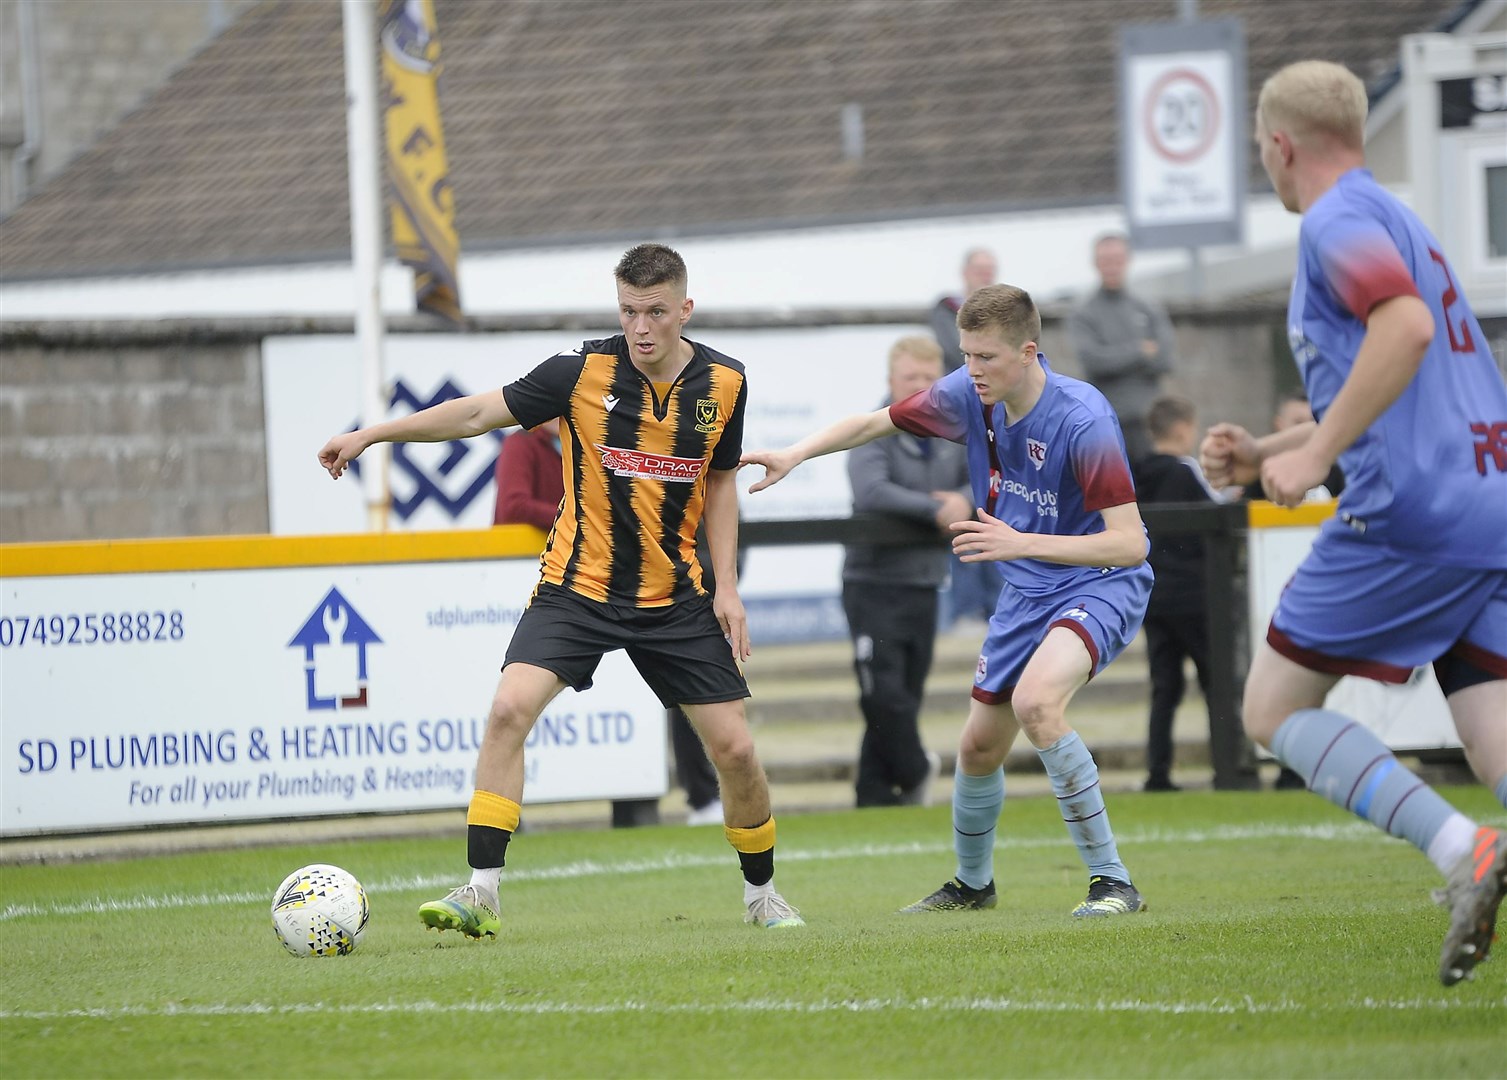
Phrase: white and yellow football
x=320 y=910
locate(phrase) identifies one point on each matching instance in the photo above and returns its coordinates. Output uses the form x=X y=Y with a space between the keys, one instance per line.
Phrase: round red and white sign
x=1181 y=115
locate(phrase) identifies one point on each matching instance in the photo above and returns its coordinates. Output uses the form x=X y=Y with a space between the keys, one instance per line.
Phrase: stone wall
x=111 y=430
x=98 y=60
x=107 y=433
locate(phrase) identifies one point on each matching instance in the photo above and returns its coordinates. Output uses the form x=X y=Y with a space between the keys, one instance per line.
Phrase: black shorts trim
x=679 y=649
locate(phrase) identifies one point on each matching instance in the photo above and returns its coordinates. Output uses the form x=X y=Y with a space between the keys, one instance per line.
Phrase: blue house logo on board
x=334 y=639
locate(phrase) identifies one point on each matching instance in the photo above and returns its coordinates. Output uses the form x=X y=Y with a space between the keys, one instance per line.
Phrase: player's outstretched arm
x=458 y=418
x=988 y=539
x=847 y=433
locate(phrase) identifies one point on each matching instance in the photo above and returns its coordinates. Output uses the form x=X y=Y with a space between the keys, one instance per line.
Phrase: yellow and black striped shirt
x=635 y=459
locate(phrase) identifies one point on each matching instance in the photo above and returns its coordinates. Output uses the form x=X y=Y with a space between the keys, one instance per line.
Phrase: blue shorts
x=1105 y=613
x=1351 y=609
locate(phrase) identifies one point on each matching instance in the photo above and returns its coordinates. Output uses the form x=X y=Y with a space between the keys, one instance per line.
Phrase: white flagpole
x=362 y=142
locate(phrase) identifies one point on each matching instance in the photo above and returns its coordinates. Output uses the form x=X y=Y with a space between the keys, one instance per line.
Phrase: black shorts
x=679 y=649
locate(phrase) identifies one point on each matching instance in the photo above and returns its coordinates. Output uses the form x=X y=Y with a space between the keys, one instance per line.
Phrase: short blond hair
x=1315 y=97
x=1004 y=308
x=917 y=347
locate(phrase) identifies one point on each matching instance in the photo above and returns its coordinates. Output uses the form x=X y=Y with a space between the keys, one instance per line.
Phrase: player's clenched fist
x=1229 y=455
x=341 y=451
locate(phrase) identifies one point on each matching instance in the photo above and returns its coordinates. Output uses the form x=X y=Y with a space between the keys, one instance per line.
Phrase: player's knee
x=734 y=755
x=509 y=718
x=1038 y=713
x=976 y=760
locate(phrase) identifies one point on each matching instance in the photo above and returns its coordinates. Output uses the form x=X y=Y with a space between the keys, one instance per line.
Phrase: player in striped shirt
x=650 y=435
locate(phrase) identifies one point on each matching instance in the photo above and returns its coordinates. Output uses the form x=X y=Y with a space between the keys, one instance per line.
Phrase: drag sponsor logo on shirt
x=637 y=465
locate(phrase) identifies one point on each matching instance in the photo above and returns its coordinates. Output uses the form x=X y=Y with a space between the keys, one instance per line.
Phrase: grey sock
x=1353 y=769
x=976 y=803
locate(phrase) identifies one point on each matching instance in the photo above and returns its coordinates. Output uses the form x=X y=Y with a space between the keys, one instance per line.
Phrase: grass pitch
x=1283 y=939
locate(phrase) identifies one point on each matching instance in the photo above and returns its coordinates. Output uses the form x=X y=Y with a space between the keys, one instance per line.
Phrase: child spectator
x=1177 y=626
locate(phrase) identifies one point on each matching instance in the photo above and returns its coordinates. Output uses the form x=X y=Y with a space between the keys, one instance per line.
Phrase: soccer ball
x=319 y=910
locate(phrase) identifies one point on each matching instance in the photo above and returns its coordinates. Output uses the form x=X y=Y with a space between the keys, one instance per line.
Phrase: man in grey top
x=980 y=268
x=890 y=593
x=975 y=586
x=1124 y=343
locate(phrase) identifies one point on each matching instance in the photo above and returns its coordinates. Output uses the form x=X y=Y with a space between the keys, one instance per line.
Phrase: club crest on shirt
x=706 y=415
x=1036 y=450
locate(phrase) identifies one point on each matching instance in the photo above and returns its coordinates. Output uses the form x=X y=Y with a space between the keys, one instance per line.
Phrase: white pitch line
x=1245 y=1006
x=585 y=868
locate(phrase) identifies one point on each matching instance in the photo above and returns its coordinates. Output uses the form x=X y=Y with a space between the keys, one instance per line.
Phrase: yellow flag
x=418 y=177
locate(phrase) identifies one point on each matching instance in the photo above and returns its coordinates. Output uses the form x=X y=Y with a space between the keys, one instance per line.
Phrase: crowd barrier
x=148 y=682
x=177 y=681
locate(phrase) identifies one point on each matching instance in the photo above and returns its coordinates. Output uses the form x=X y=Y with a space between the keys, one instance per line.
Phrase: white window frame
x=1485 y=150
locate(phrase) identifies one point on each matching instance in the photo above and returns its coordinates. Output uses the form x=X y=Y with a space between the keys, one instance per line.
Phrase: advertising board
x=144 y=698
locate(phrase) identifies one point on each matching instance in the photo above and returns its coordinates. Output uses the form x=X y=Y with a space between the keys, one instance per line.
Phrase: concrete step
x=954 y=650
x=826 y=749
x=1022 y=760
x=837 y=698
x=815 y=681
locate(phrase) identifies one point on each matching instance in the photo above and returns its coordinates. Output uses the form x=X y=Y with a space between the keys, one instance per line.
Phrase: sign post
x=1182 y=133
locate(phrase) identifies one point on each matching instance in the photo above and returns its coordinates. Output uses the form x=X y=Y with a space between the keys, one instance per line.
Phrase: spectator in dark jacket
x=1176 y=625
x=890 y=593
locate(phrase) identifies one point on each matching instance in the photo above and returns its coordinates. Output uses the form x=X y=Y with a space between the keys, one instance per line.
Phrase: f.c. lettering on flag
x=418 y=177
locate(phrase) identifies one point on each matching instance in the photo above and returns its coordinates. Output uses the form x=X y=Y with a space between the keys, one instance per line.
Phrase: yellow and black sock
x=755 y=848
x=490 y=823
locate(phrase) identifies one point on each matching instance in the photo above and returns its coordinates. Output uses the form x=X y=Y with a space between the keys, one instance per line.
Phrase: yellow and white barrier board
x=1412 y=716
x=153 y=682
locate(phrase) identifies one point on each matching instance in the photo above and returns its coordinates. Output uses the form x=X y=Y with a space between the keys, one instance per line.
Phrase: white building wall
x=883 y=264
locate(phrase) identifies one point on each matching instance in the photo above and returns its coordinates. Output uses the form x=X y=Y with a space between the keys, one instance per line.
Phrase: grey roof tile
x=579 y=117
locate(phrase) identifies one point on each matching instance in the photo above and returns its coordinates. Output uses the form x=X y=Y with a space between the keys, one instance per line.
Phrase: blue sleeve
x=1098 y=457
x=941 y=410
x=1359 y=262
